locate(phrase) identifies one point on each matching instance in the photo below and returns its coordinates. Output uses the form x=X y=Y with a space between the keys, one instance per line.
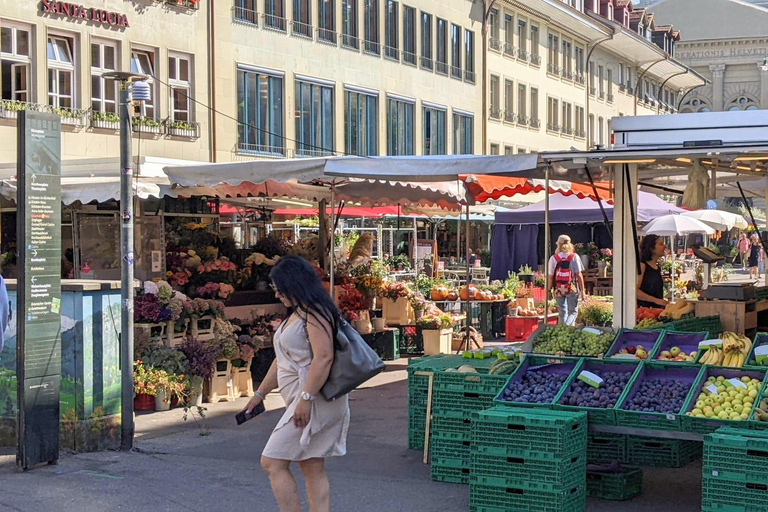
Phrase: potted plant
x=604 y=259
x=419 y=303
x=149 y=315
x=145 y=124
x=173 y=364
x=583 y=252
x=395 y=303
x=436 y=332
x=201 y=359
x=353 y=306
x=105 y=120
x=596 y=313
x=144 y=386
x=525 y=274
x=10 y=109
x=182 y=129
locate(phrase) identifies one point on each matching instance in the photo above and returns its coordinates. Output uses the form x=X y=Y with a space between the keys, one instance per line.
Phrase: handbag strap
x=335 y=337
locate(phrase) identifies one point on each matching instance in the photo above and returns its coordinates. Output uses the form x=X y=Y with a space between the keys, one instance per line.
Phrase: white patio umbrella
x=673 y=225
x=718 y=219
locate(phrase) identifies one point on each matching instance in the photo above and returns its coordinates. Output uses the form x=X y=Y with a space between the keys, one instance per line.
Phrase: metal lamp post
x=141 y=92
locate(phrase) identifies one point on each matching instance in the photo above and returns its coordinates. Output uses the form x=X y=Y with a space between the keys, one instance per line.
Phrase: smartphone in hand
x=242 y=416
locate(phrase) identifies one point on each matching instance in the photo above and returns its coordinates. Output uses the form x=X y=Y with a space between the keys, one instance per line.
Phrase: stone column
x=763 y=66
x=718 y=72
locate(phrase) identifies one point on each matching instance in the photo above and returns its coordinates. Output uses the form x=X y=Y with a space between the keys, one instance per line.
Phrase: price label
x=671 y=417
x=761 y=354
x=736 y=383
x=707 y=344
x=711 y=388
x=590 y=378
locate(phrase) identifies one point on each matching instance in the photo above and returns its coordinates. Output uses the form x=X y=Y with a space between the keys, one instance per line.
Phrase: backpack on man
x=563 y=274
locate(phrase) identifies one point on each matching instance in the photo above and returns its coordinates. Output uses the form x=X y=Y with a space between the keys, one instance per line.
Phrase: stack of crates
x=455 y=397
x=622 y=485
x=418 y=392
x=662 y=453
x=528 y=459
x=734 y=471
x=604 y=448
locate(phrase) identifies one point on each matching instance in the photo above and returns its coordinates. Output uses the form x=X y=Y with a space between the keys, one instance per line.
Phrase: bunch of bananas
x=733 y=354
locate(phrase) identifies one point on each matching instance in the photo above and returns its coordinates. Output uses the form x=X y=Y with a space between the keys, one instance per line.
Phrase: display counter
x=90 y=367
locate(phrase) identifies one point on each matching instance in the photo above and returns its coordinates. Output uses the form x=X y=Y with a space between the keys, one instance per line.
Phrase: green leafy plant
x=594 y=312
x=167 y=359
x=509 y=289
x=14 y=106
x=182 y=125
x=107 y=117
x=525 y=271
x=398 y=262
x=435 y=322
x=147 y=122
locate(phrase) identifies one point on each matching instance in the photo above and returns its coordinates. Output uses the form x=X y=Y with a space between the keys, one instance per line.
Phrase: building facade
x=727 y=42
x=559 y=71
x=54 y=54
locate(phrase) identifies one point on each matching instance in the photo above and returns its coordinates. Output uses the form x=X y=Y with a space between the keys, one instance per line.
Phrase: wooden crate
x=736 y=316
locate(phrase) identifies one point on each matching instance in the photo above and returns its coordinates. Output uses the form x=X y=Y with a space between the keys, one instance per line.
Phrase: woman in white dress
x=311 y=428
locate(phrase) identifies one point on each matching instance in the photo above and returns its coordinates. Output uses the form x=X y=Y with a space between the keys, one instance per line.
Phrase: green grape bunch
x=563 y=340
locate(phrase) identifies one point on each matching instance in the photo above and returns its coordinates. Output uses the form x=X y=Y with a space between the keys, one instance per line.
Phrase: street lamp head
x=125 y=76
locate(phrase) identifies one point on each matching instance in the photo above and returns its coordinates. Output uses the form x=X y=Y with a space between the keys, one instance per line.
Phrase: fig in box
x=596 y=387
x=537 y=381
x=679 y=346
x=722 y=396
x=656 y=397
x=632 y=342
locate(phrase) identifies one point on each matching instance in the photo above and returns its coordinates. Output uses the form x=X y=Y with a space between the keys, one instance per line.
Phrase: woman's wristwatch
x=307 y=397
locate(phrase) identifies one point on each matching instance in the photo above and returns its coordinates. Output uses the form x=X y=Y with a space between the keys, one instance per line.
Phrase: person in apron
x=312 y=428
x=650 y=284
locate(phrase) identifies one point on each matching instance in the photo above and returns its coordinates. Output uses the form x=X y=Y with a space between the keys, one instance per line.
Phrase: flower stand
x=162 y=400
x=156 y=331
x=201 y=327
x=143 y=402
x=196 y=391
x=219 y=387
x=242 y=381
x=437 y=341
x=399 y=312
x=174 y=337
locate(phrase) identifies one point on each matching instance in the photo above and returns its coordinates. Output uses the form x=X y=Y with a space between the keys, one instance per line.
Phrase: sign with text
x=39 y=288
x=80 y=12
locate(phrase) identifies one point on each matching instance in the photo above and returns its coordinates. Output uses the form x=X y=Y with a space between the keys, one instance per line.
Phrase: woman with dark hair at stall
x=311 y=428
x=650 y=284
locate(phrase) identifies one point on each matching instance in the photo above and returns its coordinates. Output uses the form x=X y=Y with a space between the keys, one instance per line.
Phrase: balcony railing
x=630 y=89
x=270 y=21
x=261 y=150
x=601 y=95
x=509 y=116
x=409 y=58
x=191 y=5
x=580 y=78
x=392 y=53
x=456 y=72
x=469 y=76
x=327 y=36
x=10 y=109
x=553 y=69
x=581 y=134
x=245 y=16
x=495 y=44
x=568 y=75
x=509 y=49
x=610 y=97
x=522 y=54
x=494 y=112
x=592 y=91
x=372 y=47
x=441 y=68
x=535 y=123
x=565 y=130
x=105 y=121
x=536 y=59
x=351 y=42
x=183 y=129
x=622 y=88
x=553 y=127
x=522 y=120
x=426 y=63
x=312 y=152
x=301 y=29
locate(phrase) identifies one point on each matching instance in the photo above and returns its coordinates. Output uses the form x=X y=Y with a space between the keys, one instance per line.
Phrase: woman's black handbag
x=354 y=362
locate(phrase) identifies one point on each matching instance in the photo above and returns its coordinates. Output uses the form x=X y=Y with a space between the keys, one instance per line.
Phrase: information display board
x=39 y=289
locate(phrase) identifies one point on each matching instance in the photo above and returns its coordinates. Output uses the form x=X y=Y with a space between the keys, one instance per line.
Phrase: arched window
x=741 y=102
x=695 y=105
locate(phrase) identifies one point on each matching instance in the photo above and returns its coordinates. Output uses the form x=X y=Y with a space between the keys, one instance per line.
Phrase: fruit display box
x=559 y=433
x=761 y=339
x=630 y=341
x=516 y=464
x=604 y=448
x=687 y=342
x=548 y=367
x=621 y=372
x=754 y=420
x=710 y=324
x=708 y=425
x=624 y=485
x=661 y=453
x=454 y=471
x=721 y=495
x=735 y=455
x=653 y=380
x=488 y=498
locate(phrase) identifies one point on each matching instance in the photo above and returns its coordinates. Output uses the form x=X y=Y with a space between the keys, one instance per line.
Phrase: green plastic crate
x=654 y=420
x=517 y=464
x=662 y=453
x=487 y=498
x=710 y=425
x=710 y=324
x=562 y=434
x=604 y=448
x=598 y=416
x=445 y=448
x=615 y=486
x=736 y=455
x=722 y=495
x=761 y=339
x=533 y=361
x=451 y=424
x=480 y=383
x=454 y=471
x=624 y=338
x=466 y=401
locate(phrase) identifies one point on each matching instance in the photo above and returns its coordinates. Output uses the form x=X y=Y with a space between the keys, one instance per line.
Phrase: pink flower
x=200 y=268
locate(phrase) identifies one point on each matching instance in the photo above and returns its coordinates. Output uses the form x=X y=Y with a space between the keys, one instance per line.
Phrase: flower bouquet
x=435 y=321
x=396 y=290
x=351 y=303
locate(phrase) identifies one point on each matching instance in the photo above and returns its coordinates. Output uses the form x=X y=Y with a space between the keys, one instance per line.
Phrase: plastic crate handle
x=594 y=477
x=515 y=460
x=757 y=453
x=756 y=487
x=471 y=395
x=651 y=444
x=510 y=490
x=516 y=427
